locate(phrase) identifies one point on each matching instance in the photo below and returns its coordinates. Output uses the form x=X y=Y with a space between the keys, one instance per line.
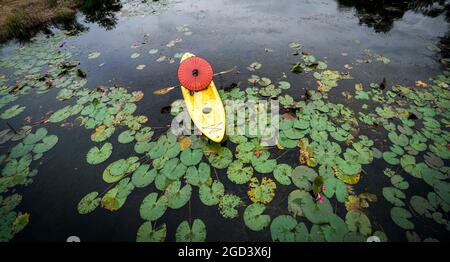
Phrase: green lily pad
x=12 y=112
x=239 y=174
x=31 y=138
x=422 y=206
x=142 y=147
x=126 y=136
x=228 y=205
x=146 y=233
x=144 y=134
x=221 y=158
x=391 y=158
x=118 y=169
x=336 y=186
x=254 y=218
x=47 y=143
x=102 y=134
x=335 y=230
x=186 y=233
x=399 y=182
x=401 y=140
x=142 y=177
x=88 y=203
x=357 y=221
x=177 y=196
x=303 y=176
x=191 y=157
x=394 y=196
x=264 y=166
x=96 y=156
x=197 y=177
x=210 y=195
x=295 y=201
x=153 y=208
x=316 y=212
x=285 y=228
x=20 y=150
x=401 y=217
x=282 y=174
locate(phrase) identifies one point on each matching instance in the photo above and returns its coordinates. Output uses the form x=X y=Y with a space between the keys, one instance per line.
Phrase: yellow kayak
x=206 y=109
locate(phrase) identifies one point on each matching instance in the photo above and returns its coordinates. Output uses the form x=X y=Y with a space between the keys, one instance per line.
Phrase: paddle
x=166 y=90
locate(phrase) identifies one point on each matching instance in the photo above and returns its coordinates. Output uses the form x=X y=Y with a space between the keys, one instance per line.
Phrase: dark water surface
x=228 y=33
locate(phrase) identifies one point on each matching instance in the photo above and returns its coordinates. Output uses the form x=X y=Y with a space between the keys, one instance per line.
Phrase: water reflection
x=380 y=15
x=102 y=12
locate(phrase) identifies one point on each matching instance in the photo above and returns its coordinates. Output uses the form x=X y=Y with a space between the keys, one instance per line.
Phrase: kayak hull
x=205 y=109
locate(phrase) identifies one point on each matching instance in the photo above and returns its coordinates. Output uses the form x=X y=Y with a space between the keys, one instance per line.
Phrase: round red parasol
x=195 y=73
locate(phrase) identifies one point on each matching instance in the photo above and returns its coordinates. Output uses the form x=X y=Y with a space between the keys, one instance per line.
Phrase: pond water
x=386 y=44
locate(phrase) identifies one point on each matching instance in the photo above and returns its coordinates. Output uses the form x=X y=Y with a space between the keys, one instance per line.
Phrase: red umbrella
x=195 y=73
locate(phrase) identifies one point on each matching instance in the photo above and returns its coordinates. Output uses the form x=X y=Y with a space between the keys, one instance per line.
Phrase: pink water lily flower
x=320 y=198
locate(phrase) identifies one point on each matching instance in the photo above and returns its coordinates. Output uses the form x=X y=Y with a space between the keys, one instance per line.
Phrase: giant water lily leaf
x=228 y=205
x=88 y=203
x=357 y=221
x=143 y=177
x=153 y=208
x=96 y=156
x=186 y=233
x=47 y=143
x=282 y=174
x=261 y=192
x=12 y=112
x=210 y=195
x=303 y=176
x=191 y=157
x=254 y=217
x=394 y=196
x=177 y=196
x=401 y=217
x=147 y=233
x=239 y=174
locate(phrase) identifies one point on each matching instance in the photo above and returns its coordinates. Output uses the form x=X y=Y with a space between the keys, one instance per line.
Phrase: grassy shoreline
x=25 y=16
